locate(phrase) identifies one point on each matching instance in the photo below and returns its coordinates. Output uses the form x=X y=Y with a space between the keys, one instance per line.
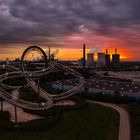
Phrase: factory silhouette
x=103 y=59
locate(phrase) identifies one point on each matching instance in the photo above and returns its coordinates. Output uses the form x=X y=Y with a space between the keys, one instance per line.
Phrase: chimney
x=84 y=57
x=106 y=51
x=115 y=50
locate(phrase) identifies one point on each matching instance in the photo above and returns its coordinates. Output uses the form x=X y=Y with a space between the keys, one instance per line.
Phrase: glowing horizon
x=66 y=54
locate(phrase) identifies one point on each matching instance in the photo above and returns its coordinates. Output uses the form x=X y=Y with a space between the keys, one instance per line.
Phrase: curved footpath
x=21 y=115
x=124 y=128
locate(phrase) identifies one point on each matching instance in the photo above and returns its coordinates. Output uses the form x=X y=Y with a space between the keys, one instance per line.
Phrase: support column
x=49 y=54
x=1 y=105
x=51 y=80
x=62 y=85
x=15 y=114
x=62 y=82
x=62 y=105
x=38 y=83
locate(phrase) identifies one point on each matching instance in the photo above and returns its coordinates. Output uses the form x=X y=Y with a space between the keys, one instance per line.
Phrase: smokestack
x=84 y=57
x=115 y=50
x=106 y=51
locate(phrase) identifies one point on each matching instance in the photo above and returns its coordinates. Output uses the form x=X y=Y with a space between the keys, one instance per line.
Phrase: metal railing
x=16 y=73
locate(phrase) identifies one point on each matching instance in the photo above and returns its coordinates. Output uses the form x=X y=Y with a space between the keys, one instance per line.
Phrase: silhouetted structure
x=107 y=59
x=49 y=53
x=84 y=58
x=101 y=60
x=90 y=59
x=116 y=59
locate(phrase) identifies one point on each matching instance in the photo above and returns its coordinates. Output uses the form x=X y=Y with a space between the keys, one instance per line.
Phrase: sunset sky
x=68 y=24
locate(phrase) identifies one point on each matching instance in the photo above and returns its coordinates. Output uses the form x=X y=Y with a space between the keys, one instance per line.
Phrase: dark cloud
x=37 y=21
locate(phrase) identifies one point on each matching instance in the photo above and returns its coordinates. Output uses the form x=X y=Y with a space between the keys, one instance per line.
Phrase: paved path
x=21 y=115
x=65 y=103
x=124 y=129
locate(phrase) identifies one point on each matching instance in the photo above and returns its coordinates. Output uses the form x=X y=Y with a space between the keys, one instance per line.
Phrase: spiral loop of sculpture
x=29 y=77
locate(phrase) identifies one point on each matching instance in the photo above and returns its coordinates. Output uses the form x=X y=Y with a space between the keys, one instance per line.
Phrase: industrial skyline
x=66 y=25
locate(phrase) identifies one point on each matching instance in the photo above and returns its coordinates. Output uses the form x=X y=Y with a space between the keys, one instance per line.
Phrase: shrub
x=5 y=122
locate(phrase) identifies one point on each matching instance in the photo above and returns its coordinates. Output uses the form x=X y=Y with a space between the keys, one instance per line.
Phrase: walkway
x=21 y=115
x=124 y=129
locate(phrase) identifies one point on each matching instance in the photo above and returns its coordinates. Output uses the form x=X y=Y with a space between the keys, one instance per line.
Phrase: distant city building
x=7 y=61
x=80 y=61
x=33 y=58
x=52 y=57
x=17 y=59
x=38 y=58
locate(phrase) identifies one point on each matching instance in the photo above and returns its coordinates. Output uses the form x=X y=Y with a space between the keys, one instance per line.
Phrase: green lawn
x=94 y=122
x=134 y=113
